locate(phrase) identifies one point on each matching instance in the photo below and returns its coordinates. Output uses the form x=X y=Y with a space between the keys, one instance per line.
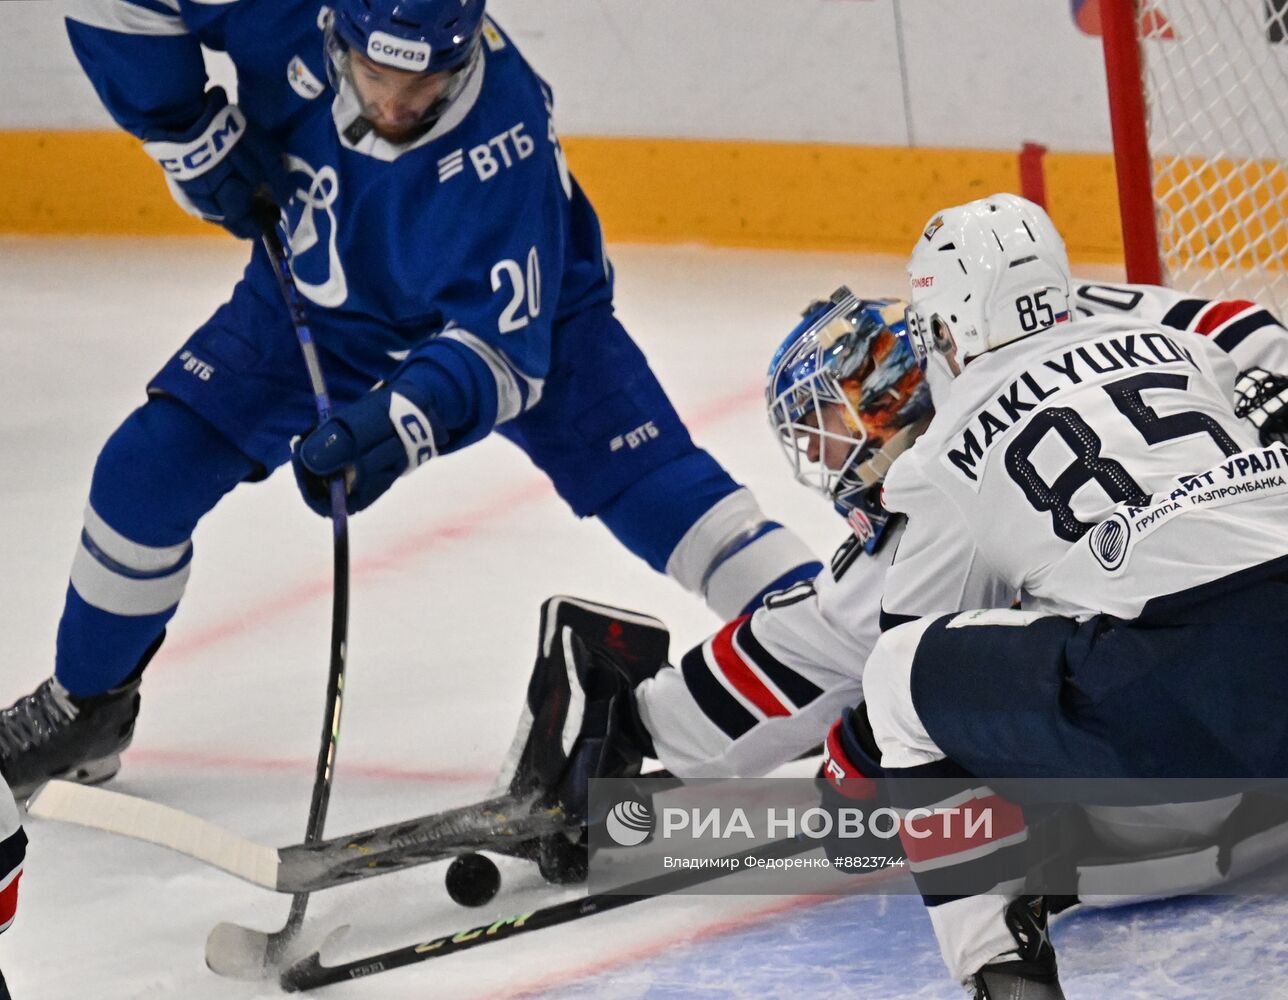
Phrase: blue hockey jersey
x=468 y=247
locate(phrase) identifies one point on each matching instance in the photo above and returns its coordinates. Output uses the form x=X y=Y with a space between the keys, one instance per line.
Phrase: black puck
x=473 y=880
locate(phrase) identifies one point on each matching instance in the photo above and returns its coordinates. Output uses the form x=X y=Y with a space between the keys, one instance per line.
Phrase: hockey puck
x=472 y=880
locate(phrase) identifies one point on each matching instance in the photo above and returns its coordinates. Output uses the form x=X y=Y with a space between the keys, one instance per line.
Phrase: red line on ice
x=266 y=611
x=408 y=548
x=211 y=761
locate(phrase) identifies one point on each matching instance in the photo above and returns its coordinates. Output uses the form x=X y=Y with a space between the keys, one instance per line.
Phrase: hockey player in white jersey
x=844 y=400
x=845 y=397
x=1095 y=468
x=13 y=853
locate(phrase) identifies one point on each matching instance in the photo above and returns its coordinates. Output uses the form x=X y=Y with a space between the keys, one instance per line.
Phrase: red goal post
x=1198 y=96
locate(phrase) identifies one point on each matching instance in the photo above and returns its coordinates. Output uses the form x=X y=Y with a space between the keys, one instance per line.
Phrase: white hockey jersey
x=13 y=852
x=1093 y=466
x=1250 y=334
x=765 y=688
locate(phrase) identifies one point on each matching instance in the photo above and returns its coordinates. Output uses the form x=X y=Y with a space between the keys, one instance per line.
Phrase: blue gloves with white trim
x=376 y=439
x=216 y=167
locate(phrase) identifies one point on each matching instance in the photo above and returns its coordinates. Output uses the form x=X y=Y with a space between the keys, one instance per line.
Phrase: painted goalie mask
x=846 y=396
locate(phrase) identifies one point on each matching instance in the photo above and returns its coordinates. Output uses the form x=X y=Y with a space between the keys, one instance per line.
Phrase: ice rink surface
x=449 y=570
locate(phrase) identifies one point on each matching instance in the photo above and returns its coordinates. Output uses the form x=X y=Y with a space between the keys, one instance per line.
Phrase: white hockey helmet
x=984 y=274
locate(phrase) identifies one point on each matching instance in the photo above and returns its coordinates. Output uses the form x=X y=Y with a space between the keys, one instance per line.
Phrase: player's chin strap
x=873 y=471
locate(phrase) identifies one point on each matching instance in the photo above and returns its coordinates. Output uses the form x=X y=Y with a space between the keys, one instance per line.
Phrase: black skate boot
x=581 y=720
x=1032 y=974
x=53 y=734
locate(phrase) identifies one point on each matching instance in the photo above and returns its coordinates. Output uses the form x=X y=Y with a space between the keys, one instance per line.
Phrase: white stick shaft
x=164 y=826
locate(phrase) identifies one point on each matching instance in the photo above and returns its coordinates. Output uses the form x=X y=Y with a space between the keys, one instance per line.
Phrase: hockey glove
x=215 y=168
x=373 y=442
x=1260 y=397
x=849 y=779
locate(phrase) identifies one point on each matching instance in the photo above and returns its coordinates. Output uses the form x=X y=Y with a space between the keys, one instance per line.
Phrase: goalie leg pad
x=580 y=720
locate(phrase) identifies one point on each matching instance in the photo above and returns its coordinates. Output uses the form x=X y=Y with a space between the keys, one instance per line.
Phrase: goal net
x=1200 y=111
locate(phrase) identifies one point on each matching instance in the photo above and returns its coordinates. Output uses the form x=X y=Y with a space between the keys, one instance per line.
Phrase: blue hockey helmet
x=415 y=36
x=846 y=355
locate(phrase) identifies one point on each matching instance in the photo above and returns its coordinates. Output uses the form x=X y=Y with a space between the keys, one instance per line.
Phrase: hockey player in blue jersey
x=457 y=284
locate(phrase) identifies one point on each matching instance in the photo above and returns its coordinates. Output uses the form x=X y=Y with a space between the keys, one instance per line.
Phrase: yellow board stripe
x=796 y=196
x=85 y=183
x=788 y=195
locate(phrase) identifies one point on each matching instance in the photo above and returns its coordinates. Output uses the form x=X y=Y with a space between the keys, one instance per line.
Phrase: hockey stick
x=233 y=950
x=502 y=824
x=309 y=972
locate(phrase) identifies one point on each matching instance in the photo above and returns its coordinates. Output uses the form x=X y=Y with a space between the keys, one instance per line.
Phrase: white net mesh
x=1217 y=96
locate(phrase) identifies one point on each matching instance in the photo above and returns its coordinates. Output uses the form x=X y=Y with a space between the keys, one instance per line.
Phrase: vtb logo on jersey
x=501 y=152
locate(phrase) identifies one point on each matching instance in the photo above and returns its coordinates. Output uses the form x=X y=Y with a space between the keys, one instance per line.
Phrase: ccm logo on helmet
x=390 y=51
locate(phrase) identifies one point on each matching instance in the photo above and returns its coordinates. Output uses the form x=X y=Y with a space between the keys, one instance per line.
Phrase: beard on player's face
x=396 y=102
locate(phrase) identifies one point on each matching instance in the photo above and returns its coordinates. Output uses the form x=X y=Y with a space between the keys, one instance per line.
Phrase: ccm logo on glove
x=186 y=160
x=413 y=428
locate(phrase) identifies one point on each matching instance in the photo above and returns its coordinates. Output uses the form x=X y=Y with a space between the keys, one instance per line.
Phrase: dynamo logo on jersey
x=320 y=277
x=389 y=50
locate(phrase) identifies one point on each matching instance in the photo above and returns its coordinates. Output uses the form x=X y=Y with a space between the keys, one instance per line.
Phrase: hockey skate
x=1031 y=974
x=581 y=720
x=51 y=733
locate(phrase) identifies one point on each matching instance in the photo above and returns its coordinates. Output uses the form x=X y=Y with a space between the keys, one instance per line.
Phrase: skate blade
x=93 y=772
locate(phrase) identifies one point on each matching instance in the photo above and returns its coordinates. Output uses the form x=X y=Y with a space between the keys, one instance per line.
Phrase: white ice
x=449 y=571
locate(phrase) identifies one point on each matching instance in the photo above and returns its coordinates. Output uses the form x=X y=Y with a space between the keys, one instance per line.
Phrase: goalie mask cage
x=1198 y=95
